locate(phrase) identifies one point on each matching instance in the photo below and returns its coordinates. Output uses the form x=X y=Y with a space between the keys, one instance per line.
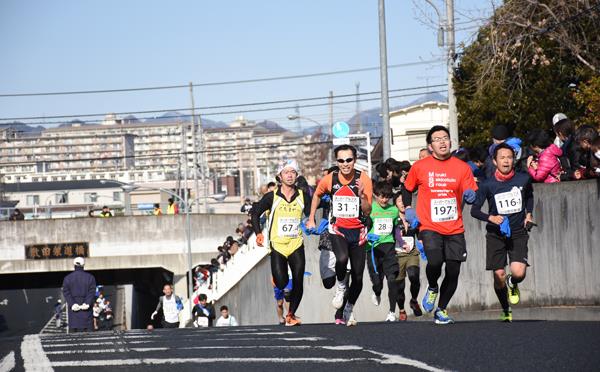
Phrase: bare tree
x=526 y=34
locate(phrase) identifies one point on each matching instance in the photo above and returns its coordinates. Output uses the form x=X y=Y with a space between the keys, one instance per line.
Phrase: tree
x=525 y=65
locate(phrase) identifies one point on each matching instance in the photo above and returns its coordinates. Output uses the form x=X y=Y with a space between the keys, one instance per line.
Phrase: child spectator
x=585 y=136
x=226 y=320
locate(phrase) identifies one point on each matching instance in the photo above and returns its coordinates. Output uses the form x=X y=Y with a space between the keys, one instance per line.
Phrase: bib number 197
x=443 y=210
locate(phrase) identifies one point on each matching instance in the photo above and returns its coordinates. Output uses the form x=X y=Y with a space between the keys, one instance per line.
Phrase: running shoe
x=441 y=317
x=338 y=298
x=349 y=315
x=391 y=317
x=429 y=300
x=351 y=321
x=513 y=292
x=340 y=322
x=506 y=316
x=376 y=299
x=292 y=320
x=414 y=305
x=402 y=316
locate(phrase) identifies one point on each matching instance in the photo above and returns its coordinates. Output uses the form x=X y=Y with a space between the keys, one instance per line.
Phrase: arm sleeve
x=476 y=207
x=263 y=205
x=529 y=197
x=67 y=292
x=307 y=203
x=91 y=291
x=234 y=321
x=406 y=196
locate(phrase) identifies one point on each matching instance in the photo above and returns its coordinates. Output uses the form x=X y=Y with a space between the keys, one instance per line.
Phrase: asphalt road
x=465 y=346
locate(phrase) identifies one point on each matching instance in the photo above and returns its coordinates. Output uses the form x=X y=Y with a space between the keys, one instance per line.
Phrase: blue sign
x=340 y=129
x=145 y=206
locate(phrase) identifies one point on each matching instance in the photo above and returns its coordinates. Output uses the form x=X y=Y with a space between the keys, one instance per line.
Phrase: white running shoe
x=391 y=317
x=376 y=299
x=338 y=298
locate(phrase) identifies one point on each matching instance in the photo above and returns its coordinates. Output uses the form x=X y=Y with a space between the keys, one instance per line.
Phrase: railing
x=248 y=256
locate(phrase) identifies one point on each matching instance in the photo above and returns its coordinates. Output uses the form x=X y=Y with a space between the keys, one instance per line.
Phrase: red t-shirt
x=440 y=184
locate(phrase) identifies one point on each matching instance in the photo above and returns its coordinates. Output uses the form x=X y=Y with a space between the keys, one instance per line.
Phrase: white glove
x=153 y=315
x=196 y=323
x=84 y=306
x=75 y=307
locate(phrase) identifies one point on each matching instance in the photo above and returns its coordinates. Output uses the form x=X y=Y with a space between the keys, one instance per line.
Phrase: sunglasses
x=347 y=160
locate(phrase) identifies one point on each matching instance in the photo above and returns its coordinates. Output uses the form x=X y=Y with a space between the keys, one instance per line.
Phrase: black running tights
x=279 y=270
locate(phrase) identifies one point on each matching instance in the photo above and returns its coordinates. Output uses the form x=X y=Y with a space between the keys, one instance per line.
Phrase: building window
x=90 y=197
x=117 y=196
x=33 y=199
x=61 y=198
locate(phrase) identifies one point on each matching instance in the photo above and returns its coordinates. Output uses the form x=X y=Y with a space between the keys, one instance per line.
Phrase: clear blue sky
x=61 y=45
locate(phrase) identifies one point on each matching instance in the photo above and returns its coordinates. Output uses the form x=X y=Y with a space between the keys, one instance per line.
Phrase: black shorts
x=497 y=247
x=452 y=247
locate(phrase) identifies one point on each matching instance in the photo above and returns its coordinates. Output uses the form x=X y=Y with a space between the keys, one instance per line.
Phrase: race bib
x=345 y=206
x=443 y=210
x=410 y=242
x=509 y=202
x=287 y=227
x=383 y=226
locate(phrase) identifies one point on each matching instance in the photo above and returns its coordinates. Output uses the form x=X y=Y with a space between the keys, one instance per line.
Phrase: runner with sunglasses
x=350 y=191
x=442 y=182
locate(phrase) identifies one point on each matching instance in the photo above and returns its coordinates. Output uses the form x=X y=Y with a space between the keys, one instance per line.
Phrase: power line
x=227 y=106
x=231 y=82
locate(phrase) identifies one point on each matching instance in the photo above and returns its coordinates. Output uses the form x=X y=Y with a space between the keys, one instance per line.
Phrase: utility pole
x=385 y=100
x=452 y=115
x=329 y=130
x=195 y=147
x=358 y=122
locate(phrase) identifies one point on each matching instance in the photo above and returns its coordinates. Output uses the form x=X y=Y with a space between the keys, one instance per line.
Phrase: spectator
x=423 y=153
x=565 y=130
x=233 y=248
x=17 y=215
x=247 y=207
x=107 y=323
x=172 y=208
x=585 y=136
x=596 y=157
x=204 y=313
x=157 y=211
x=105 y=212
x=477 y=156
x=544 y=165
x=58 y=312
x=226 y=320
x=96 y=311
x=79 y=288
x=171 y=306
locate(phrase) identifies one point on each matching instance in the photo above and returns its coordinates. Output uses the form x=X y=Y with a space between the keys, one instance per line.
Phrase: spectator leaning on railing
x=544 y=165
x=585 y=136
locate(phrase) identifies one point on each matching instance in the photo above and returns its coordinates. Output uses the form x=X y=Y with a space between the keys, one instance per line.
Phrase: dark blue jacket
x=492 y=187
x=79 y=287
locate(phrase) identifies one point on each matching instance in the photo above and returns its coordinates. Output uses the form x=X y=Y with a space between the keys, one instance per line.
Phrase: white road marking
x=8 y=362
x=33 y=355
x=397 y=359
x=92 y=363
x=90 y=344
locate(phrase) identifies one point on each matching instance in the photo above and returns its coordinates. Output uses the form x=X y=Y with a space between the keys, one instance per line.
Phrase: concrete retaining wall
x=564 y=252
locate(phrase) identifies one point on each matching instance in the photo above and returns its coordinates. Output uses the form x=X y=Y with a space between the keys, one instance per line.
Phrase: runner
x=286 y=204
x=350 y=191
x=510 y=205
x=408 y=262
x=381 y=253
x=442 y=182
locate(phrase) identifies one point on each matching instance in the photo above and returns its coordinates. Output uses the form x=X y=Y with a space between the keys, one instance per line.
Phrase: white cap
x=558 y=117
x=79 y=261
x=290 y=163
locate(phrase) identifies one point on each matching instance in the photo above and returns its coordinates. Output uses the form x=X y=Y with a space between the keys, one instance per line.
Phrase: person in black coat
x=79 y=289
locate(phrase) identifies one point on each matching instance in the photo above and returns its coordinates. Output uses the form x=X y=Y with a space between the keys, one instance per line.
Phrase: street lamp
x=128 y=187
x=329 y=154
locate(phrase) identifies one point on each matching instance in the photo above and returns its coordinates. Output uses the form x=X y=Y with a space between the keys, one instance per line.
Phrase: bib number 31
x=345 y=206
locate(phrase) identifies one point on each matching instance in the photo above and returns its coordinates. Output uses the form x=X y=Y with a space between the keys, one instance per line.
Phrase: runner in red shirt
x=442 y=181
